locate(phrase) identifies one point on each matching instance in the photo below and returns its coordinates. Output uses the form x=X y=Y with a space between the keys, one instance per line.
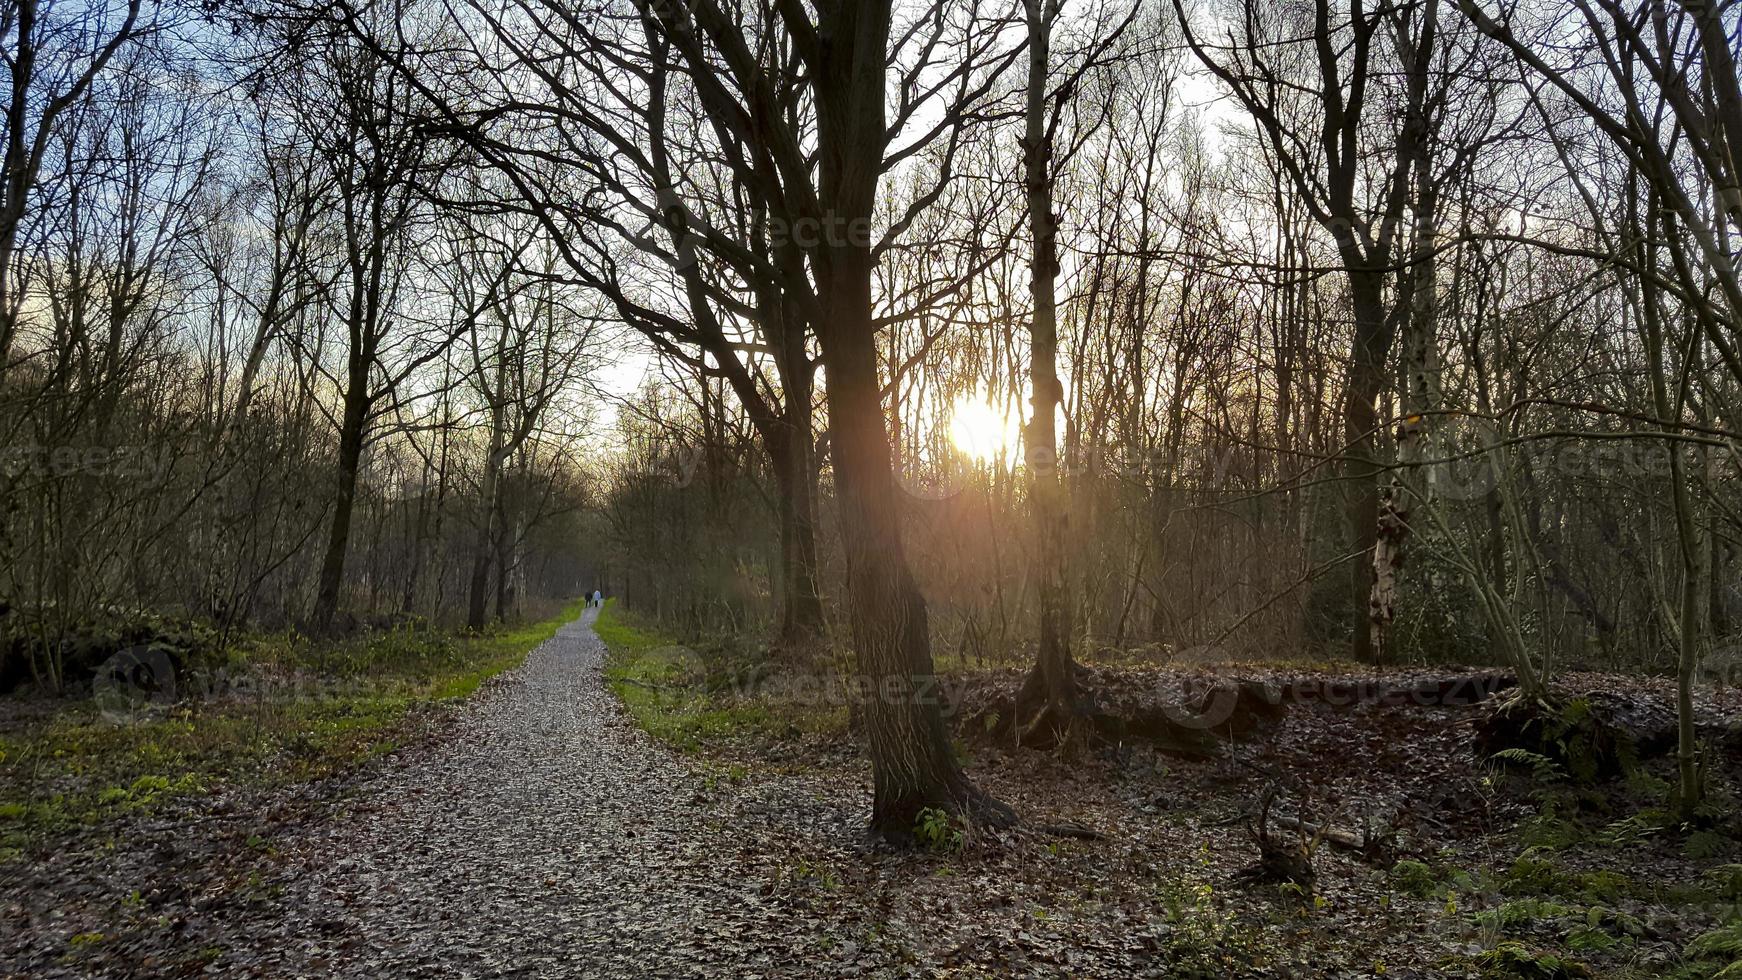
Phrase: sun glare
x=985 y=431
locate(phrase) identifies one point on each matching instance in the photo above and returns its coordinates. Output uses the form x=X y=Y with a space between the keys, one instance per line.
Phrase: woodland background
x=302 y=310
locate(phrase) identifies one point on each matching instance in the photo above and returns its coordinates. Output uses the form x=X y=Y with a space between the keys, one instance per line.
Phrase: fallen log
x=1193 y=724
x=1378 y=848
x=1194 y=715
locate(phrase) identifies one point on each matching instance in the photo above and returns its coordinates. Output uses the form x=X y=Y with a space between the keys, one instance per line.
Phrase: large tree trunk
x=365 y=252
x=785 y=432
x=507 y=533
x=1047 y=703
x=912 y=764
x=1419 y=385
x=478 y=585
x=428 y=514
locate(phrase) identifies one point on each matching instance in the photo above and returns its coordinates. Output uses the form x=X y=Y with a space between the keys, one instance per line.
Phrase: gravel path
x=546 y=837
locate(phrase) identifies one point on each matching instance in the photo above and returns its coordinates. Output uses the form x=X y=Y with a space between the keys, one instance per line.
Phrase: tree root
x=1074 y=831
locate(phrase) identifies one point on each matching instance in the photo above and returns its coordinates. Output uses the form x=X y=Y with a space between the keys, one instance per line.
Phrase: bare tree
x=1320 y=124
x=53 y=57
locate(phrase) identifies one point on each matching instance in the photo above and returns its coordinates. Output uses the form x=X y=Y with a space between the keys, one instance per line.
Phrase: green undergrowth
x=1546 y=915
x=695 y=697
x=282 y=709
x=1606 y=879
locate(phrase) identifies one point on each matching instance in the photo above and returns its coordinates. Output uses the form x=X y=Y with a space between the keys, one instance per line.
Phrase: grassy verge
x=698 y=697
x=286 y=710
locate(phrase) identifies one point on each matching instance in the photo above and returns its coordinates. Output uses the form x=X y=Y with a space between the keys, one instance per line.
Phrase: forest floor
x=547 y=828
x=1491 y=871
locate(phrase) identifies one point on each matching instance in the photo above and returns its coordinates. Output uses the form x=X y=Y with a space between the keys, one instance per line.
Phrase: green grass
x=315 y=710
x=678 y=694
x=623 y=638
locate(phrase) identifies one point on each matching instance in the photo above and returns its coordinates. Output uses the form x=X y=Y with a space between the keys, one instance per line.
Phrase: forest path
x=545 y=837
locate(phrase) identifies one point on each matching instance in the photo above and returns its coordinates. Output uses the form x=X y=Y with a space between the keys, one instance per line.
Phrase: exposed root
x=1075 y=831
x=1283 y=858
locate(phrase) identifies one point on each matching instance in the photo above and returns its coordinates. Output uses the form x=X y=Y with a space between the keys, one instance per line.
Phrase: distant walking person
x=598 y=598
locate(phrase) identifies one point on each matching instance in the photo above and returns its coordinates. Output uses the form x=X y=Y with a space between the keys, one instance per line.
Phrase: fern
x=1415 y=878
x=1513 y=959
x=1524 y=912
x=1726 y=880
x=1721 y=943
x=1542 y=766
x=1633 y=830
x=1585 y=939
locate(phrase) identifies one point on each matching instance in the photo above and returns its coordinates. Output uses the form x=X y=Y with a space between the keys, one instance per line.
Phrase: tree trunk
x=1419 y=385
x=912 y=764
x=801 y=606
x=801 y=611
x=478 y=586
x=478 y=592
x=1047 y=702
x=1360 y=471
x=506 y=533
x=350 y=457
x=785 y=432
x=1695 y=552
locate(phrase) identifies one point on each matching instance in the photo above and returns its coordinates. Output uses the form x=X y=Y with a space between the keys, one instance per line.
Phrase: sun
x=985 y=431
